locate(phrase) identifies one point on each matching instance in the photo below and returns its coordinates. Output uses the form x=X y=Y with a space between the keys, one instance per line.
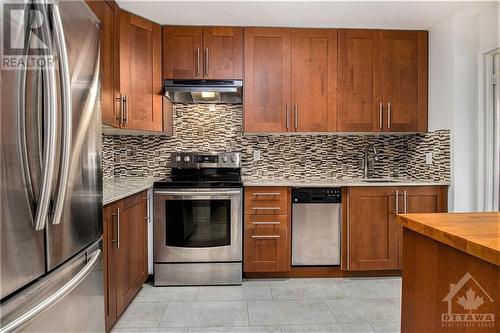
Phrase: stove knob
x=224 y=159
x=233 y=159
x=177 y=158
x=186 y=158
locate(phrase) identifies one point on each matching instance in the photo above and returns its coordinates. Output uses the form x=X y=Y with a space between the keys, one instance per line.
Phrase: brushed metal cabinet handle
x=287 y=118
x=119 y=116
x=265 y=208
x=405 y=207
x=380 y=112
x=265 y=222
x=389 y=115
x=266 y=236
x=197 y=71
x=118 y=228
x=267 y=194
x=206 y=62
x=397 y=203
x=296 y=114
x=125 y=110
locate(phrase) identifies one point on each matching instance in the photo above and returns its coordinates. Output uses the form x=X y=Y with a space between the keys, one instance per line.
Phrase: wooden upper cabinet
x=405 y=80
x=105 y=14
x=314 y=80
x=202 y=52
x=223 y=53
x=183 y=53
x=360 y=100
x=140 y=85
x=267 y=74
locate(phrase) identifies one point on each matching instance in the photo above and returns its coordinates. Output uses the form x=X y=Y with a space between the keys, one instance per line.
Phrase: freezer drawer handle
x=54 y=298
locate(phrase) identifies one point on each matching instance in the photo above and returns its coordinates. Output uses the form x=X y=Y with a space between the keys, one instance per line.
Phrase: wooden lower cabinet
x=374 y=238
x=125 y=253
x=267 y=232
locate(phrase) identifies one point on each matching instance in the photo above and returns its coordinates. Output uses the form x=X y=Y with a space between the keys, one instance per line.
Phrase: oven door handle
x=195 y=193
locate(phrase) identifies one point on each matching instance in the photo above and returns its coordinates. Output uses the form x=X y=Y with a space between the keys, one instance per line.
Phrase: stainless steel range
x=198 y=221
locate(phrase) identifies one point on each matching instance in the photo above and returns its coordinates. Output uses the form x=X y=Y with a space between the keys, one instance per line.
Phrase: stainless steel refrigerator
x=51 y=271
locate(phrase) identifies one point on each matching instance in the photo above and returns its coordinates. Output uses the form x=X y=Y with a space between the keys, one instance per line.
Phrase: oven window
x=198 y=223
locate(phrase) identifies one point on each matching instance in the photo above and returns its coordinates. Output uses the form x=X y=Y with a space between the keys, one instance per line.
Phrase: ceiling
x=341 y=14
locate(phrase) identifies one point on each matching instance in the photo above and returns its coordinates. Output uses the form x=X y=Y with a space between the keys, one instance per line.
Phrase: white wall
x=454 y=45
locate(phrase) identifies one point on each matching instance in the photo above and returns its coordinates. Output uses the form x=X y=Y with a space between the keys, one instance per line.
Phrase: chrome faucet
x=365 y=159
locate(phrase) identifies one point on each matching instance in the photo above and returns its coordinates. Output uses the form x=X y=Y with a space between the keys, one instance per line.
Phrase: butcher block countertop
x=477 y=234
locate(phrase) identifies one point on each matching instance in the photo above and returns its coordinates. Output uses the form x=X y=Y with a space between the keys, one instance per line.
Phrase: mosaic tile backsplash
x=293 y=157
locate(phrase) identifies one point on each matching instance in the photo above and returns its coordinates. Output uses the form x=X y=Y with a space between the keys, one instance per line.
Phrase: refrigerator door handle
x=67 y=120
x=49 y=141
x=55 y=297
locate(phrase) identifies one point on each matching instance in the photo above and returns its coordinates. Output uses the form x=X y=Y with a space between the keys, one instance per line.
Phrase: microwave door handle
x=67 y=120
x=55 y=297
x=50 y=137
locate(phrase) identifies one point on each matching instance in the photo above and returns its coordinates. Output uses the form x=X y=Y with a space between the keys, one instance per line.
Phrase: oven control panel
x=205 y=160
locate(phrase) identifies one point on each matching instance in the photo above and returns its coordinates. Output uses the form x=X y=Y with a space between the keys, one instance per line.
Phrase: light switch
x=428 y=158
x=256 y=155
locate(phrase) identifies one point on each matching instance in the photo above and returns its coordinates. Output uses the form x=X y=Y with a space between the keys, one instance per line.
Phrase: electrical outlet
x=256 y=155
x=428 y=158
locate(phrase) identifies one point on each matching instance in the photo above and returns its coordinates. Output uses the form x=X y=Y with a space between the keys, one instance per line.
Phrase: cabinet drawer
x=266 y=207
x=266 y=221
x=259 y=194
x=266 y=250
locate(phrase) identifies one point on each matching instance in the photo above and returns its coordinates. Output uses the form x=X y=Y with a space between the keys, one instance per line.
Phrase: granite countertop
x=477 y=234
x=124 y=187
x=338 y=182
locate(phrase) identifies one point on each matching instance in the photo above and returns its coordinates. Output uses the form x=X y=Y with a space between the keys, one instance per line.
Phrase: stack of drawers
x=267 y=229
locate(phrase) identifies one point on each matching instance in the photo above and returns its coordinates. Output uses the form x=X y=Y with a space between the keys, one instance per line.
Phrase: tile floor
x=278 y=305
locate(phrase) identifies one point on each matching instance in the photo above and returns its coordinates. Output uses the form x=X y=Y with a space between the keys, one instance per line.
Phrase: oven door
x=197 y=225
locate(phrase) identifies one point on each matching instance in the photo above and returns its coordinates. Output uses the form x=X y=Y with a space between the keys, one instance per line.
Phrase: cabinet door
x=108 y=247
x=266 y=105
x=131 y=261
x=405 y=80
x=360 y=59
x=314 y=80
x=105 y=14
x=140 y=73
x=223 y=52
x=183 y=53
x=266 y=250
x=373 y=232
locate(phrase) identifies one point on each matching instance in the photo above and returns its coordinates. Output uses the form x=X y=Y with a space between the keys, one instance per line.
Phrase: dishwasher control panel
x=317 y=195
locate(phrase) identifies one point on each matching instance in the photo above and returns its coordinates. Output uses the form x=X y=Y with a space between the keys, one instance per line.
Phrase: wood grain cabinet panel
x=373 y=230
x=374 y=236
x=314 y=80
x=360 y=101
x=139 y=73
x=267 y=233
x=105 y=14
x=183 y=52
x=223 y=52
x=405 y=80
x=266 y=102
x=125 y=253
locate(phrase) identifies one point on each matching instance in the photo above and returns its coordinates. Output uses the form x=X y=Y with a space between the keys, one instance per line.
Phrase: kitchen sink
x=381 y=180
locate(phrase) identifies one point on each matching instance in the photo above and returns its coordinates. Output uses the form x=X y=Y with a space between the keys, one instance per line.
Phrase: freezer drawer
x=316 y=234
x=71 y=299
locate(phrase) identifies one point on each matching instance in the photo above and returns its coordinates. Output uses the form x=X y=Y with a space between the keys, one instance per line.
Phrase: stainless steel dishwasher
x=316 y=218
